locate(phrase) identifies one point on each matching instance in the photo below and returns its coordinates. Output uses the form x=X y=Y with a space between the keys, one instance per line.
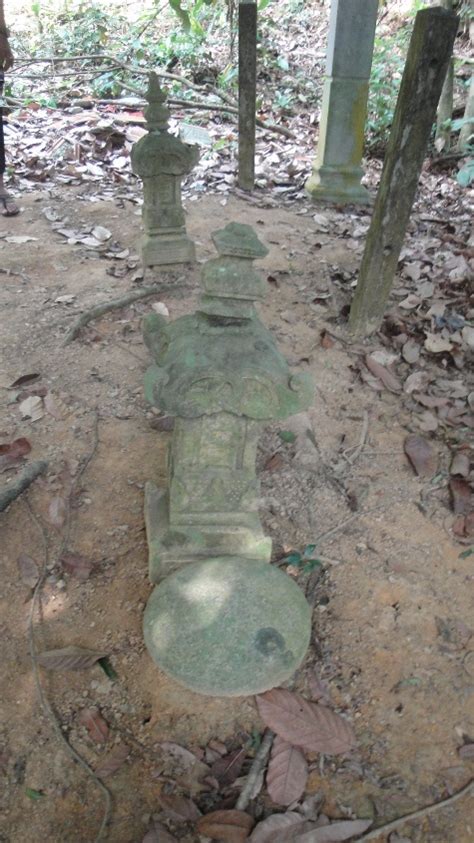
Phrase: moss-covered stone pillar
x=221 y=620
x=337 y=170
x=162 y=160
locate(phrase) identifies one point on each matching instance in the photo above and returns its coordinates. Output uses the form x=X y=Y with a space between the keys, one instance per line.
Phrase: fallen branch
x=11 y=492
x=415 y=815
x=114 y=304
x=258 y=765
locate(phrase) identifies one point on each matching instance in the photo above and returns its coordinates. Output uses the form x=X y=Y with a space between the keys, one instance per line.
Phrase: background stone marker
x=162 y=160
x=337 y=170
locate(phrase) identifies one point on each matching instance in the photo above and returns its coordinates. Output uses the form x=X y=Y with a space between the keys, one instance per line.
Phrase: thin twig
x=11 y=492
x=43 y=701
x=363 y=436
x=344 y=524
x=415 y=815
x=113 y=304
x=258 y=765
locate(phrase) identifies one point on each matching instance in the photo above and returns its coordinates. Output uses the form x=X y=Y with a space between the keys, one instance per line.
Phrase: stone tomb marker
x=162 y=160
x=337 y=170
x=221 y=620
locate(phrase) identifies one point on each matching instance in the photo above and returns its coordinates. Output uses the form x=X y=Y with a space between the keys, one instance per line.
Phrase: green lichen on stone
x=219 y=372
x=228 y=626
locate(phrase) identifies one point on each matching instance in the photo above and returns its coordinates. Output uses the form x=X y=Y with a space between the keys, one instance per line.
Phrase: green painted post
x=247 y=92
x=427 y=61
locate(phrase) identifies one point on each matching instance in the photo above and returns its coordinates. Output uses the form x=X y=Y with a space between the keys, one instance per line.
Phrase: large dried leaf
x=287 y=773
x=279 y=828
x=69 y=658
x=95 y=724
x=32 y=408
x=421 y=455
x=227 y=769
x=228 y=826
x=28 y=568
x=335 y=832
x=179 y=808
x=12 y=453
x=389 y=380
x=78 y=566
x=311 y=726
x=57 y=512
x=112 y=762
x=461 y=496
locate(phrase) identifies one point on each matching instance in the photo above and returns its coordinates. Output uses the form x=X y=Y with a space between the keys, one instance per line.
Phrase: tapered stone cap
x=228 y=626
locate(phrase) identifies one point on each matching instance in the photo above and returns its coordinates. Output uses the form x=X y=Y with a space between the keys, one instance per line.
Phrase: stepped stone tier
x=162 y=160
x=220 y=620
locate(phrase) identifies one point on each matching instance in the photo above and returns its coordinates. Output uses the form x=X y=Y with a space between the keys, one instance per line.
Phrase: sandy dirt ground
x=393 y=619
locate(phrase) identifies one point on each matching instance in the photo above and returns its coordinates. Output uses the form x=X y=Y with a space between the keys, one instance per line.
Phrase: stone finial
x=156 y=113
x=220 y=620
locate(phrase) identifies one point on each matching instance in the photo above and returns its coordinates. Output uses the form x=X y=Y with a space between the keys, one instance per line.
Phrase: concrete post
x=247 y=92
x=337 y=170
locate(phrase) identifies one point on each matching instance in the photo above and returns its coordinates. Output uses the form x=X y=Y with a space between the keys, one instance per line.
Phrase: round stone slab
x=228 y=626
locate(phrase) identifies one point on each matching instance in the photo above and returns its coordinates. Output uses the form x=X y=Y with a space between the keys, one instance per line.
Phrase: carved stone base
x=164 y=249
x=228 y=626
x=172 y=547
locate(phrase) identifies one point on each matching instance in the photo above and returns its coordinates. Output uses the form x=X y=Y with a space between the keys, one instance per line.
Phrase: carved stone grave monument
x=220 y=619
x=162 y=160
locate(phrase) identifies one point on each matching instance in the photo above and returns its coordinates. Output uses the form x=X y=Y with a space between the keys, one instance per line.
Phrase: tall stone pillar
x=337 y=170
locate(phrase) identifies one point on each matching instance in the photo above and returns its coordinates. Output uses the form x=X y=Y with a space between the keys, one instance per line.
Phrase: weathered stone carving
x=218 y=371
x=162 y=160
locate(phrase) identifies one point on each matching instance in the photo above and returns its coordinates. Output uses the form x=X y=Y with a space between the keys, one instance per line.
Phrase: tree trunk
x=425 y=69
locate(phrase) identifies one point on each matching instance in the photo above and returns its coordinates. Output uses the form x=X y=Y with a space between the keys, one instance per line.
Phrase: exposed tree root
x=9 y=493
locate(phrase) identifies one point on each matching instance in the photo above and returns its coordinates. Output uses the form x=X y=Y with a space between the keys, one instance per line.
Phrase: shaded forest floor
x=392 y=636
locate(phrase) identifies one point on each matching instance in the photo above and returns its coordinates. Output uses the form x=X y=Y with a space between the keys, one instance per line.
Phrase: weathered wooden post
x=337 y=170
x=247 y=92
x=427 y=61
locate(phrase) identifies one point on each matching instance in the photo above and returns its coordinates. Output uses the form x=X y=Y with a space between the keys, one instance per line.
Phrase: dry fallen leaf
x=335 y=832
x=461 y=464
x=461 y=496
x=112 y=762
x=436 y=343
x=78 y=566
x=29 y=571
x=308 y=725
x=422 y=456
x=57 y=512
x=287 y=773
x=69 y=658
x=278 y=828
x=12 y=453
x=179 y=808
x=389 y=380
x=159 y=834
x=227 y=826
x=32 y=408
x=228 y=768
x=95 y=724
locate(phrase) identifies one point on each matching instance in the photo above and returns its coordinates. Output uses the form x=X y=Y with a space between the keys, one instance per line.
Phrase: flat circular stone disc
x=228 y=626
